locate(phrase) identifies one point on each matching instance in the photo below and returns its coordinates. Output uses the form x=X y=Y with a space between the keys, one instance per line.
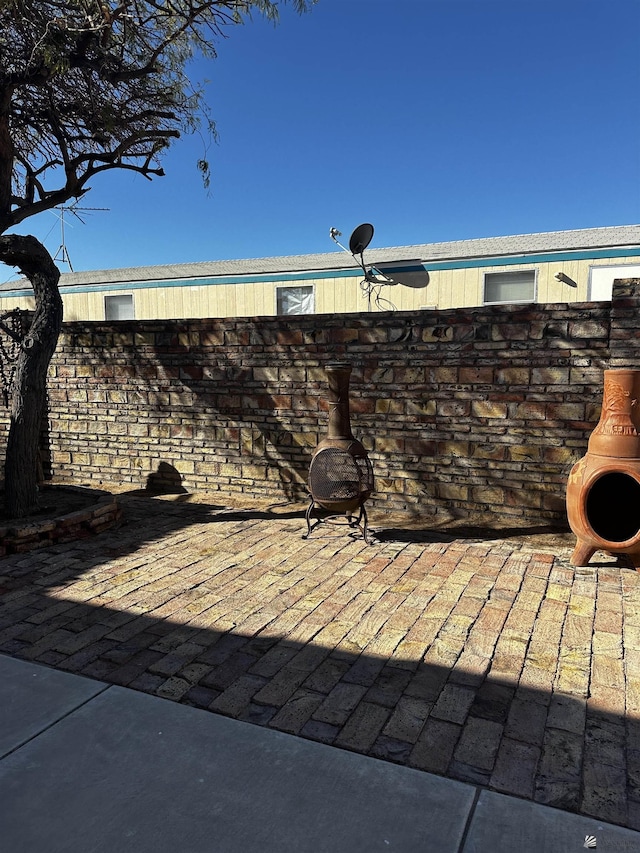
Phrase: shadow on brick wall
x=462 y=411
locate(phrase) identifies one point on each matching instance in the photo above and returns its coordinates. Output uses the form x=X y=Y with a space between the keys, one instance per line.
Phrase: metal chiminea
x=340 y=474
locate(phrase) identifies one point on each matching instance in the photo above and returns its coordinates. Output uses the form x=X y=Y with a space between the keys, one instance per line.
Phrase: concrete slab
x=502 y=823
x=35 y=697
x=132 y=772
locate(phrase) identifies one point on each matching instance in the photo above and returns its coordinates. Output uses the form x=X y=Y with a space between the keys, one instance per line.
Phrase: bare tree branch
x=87 y=86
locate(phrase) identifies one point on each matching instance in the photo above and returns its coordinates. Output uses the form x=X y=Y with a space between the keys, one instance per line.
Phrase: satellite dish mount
x=373 y=278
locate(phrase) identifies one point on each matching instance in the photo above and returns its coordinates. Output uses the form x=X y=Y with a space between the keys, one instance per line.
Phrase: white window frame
x=281 y=287
x=533 y=298
x=108 y=296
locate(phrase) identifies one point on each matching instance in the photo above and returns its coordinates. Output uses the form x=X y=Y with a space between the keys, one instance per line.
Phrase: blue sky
x=434 y=120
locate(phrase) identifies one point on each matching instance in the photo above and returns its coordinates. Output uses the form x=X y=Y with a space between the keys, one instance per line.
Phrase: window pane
x=510 y=286
x=295 y=300
x=119 y=307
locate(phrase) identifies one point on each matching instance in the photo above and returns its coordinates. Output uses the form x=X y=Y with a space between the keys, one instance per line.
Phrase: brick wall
x=464 y=412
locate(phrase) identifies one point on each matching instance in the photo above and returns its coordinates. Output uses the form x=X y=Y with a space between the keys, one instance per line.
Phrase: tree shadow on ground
x=221 y=511
x=236 y=614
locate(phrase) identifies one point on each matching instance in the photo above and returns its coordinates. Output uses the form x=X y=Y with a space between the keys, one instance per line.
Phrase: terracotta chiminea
x=340 y=474
x=603 y=492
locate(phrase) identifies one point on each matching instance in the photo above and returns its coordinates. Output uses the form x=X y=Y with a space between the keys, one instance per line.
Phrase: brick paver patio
x=489 y=660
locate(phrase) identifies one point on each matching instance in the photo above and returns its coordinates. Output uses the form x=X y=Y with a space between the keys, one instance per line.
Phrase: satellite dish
x=360 y=238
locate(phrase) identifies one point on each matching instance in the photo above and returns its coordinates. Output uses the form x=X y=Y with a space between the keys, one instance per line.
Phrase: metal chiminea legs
x=340 y=475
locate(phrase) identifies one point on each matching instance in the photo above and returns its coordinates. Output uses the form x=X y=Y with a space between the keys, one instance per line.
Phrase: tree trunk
x=28 y=392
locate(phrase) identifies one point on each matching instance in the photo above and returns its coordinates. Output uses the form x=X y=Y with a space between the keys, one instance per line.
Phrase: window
x=119 y=307
x=517 y=286
x=601 y=280
x=295 y=300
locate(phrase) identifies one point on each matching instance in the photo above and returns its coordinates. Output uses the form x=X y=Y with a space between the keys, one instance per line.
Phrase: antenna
x=62 y=254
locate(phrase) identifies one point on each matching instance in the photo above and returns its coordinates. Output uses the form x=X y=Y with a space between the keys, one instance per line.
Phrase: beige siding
x=27 y=303
x=450 y=288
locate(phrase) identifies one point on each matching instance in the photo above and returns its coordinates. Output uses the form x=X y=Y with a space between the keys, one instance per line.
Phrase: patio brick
x=434 y=748
x=363 y=727
x=296 y=712
x=489 y=661
x=479 y=743
x=237 y=696
x=454 y=703
x=338 y=705
x=515 y=768
x=408 y=719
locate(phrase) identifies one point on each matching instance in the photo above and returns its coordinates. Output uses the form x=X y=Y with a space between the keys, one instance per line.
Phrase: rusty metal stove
x=340 y=474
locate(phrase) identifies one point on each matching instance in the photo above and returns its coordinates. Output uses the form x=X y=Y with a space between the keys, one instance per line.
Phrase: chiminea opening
x=340 y=474
x=612 y=507
x=338 y=479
